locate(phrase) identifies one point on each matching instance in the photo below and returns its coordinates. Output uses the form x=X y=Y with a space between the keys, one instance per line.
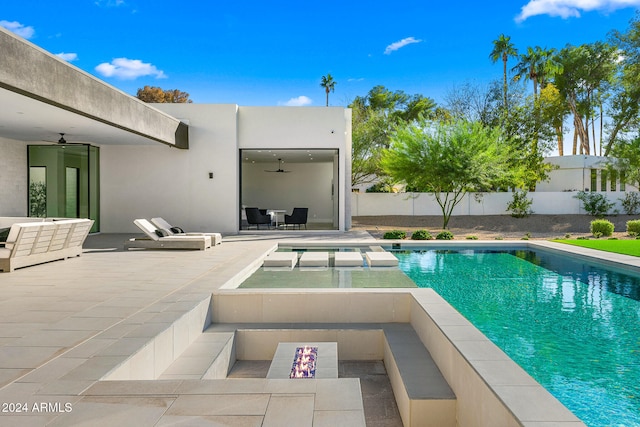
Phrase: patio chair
x=298 y=217
x=159 y=239
x=216 y=238
x=254 y=217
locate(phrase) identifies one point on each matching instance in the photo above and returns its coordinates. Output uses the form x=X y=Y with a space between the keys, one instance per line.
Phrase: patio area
x=84 y=341
x=65 y=325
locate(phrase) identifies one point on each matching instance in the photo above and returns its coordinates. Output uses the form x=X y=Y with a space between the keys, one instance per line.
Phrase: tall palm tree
x=328 y=84
x=503 y=49
x=537 y=65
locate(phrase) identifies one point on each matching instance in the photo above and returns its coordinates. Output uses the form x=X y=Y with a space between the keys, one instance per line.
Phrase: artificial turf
x=626 y=247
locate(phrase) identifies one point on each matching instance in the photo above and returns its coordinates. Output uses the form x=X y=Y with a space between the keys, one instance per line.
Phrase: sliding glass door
x=64 y=182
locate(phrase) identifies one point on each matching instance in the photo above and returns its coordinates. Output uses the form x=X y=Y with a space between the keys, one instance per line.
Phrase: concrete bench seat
x=314 y=259
x=348 y=259
x=381 y=259
x=423 y=396
x=281 y=259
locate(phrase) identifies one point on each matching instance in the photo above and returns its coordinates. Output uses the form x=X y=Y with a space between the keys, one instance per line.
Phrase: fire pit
x=304 y=363
x=310 y=360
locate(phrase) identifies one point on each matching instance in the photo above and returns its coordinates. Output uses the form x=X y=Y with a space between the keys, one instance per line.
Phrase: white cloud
x=299 y=101
x=400 y=44
x=360 y=79
x=18 y=28
x=67 y=56
x=570 y=8
x=109 y=3
x=129 y=69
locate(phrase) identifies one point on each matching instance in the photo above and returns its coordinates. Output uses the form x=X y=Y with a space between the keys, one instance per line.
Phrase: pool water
x=575 y=328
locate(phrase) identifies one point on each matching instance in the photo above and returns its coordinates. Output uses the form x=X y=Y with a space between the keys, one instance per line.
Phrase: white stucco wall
x=13 y=178
x=150 y=181
x=303 y=127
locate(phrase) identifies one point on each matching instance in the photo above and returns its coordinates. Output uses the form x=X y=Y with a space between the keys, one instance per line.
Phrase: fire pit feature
x=312 y=360
x=304 y=362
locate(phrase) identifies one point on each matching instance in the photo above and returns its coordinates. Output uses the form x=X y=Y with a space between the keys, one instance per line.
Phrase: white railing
x=549 y=203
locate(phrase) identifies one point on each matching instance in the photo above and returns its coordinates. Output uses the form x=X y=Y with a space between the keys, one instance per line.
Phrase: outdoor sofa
x=156 y=239
x=30 y=243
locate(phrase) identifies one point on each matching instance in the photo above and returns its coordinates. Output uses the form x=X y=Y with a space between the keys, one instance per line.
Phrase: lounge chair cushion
x=161 y=232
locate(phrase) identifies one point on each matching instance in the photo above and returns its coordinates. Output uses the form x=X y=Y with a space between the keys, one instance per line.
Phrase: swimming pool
x=574 y=327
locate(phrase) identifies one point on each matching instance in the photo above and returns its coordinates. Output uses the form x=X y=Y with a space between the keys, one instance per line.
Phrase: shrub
x=601 y=227
x=472 y=237
x=520 y=206
x=421 y=235
x=395 y=234
x=633 y=227
x=631 y=203
x=595 y=204
x=444 y=235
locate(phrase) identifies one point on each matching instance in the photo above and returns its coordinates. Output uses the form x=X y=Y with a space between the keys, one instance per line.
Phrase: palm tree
x=537 y=65
x=503 y=49
x=328 y=84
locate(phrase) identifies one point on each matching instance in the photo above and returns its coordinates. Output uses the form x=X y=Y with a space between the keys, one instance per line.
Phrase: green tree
x=329 y=85
x=553 y=110
x=448 y=160
x=588 y=72
x=373 y=119
x=503 y=49
x=538 y=65
x=159 y=95
x=624 y=104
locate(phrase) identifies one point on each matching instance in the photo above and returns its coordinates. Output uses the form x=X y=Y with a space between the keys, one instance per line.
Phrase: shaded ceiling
x=27 y=119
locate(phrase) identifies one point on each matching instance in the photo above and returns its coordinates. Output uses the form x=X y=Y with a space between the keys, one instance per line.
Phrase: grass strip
x=625 y=247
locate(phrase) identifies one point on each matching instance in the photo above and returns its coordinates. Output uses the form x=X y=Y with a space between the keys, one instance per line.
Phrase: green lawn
x=627 y=247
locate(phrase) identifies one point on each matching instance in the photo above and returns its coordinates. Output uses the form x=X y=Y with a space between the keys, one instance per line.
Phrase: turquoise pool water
x=575 y=328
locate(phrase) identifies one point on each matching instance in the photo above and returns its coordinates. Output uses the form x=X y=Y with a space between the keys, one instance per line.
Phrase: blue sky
x=274 y=53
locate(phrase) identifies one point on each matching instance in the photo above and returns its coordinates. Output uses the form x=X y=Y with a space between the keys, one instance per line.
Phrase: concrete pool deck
x=64 y=326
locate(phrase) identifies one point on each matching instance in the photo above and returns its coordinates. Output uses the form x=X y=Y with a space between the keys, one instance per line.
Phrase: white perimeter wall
x=149 y=181
x=552 y=203
x=13 y=178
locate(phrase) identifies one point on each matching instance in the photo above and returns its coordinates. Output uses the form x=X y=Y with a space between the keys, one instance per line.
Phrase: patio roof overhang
x=42 y=95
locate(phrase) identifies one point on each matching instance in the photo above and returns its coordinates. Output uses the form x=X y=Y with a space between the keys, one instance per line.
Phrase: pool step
x=281 y=259
x=381 y=259
x=348 y=259
x=314 y=259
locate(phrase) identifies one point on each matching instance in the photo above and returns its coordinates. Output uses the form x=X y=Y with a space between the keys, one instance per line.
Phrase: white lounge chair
x=216 y=238
x=155 y=241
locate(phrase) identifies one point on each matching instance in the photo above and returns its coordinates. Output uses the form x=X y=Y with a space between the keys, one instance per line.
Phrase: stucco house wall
x=150 y=181
x=13 y=178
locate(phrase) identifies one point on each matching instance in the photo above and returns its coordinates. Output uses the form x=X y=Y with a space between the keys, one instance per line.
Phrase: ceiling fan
x=63 y=141
x=280 y=170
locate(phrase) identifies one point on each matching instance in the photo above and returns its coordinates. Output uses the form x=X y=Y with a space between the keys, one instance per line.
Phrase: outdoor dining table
x=275 y=214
